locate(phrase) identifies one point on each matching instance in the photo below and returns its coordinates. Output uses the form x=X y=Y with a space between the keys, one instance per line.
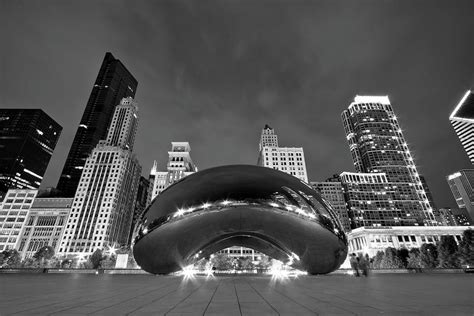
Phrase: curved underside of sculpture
x=240 y=205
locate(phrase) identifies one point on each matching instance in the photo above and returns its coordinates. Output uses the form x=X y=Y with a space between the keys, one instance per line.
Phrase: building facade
x=333 y=191
x=370 y=240
x=141 y=203
x=462 y=120
x=44 y=225
x=103 y=206
x=454 y=217
x=461 y=184
x=179 y=165
x=13 y=213
x=377 y=146
x=113 y=83
x=286 y=159
x=27 y=141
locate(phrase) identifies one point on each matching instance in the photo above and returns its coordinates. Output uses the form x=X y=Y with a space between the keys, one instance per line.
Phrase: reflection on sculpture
x=240 y=205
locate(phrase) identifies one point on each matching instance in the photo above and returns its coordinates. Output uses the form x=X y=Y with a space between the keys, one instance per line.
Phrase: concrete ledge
x=216 y=273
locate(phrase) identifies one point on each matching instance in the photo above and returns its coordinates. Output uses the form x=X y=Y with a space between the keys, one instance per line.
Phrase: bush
x=448 y=253
x=414 y=259
x=95 y=259
x=391 y=260
x=466 y=248
x=11 y=259
x=429 y=256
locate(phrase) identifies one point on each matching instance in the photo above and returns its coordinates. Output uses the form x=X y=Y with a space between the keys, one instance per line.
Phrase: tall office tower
x=287 y=159
x=179 y=165
x=103 y=206
x=373 y=201
x=13 y=213
x=462 y=120
x=113 y=83
x=333 y=192
x=140 y=205
x=377 y=145
x=461 y=184
x=27 y=141
x=44 y=225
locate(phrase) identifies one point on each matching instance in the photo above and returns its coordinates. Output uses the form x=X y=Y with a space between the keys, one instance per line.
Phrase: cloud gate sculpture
x=240 y=205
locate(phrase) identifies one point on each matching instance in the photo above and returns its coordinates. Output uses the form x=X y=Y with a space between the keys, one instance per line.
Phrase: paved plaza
x=392 y=294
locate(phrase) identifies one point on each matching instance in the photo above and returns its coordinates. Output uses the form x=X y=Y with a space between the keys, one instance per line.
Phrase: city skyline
x=256 y=79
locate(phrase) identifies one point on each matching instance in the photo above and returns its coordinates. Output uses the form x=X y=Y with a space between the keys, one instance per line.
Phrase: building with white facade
x=370 y=240
x=461 y=184
x=44 y=225
x=13 y=213
x=179 y=165
x=377 y=146
x=462 y=119
x=287 y=159
x=333 y=191
x=103 y=205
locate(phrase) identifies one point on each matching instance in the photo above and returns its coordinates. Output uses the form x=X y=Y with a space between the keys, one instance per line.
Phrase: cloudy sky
x=215 y=72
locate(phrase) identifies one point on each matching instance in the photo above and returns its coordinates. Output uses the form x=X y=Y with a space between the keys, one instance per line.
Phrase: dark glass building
x=27 y=141
x=113 y=83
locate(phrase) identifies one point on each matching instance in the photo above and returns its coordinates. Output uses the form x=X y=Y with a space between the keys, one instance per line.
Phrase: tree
x=96 y=259
x=108 y=262
x=44 y=253
x=429 y=256
x=245 y=263
x=403 y=255
x=221 y=261
x=11 y=258
x=448 y=253
x=466 y=248
x=391 y=260
x=414 y=259
x=377 y=263
x=264 y=263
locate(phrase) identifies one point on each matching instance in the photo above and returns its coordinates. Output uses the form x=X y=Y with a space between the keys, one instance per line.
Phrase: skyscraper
x=287 y=159
x=461 y=184
x=377 y=145
x=332 y=190
x=103 y=206
x=179 y=165
x=462 y=120
x=27 y=141
x=113 y=83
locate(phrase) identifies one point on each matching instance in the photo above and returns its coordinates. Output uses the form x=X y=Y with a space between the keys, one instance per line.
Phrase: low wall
x=223 y=273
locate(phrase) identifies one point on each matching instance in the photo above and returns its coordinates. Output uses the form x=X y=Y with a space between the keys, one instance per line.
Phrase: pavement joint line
x=324 y=301
x=118 y=292
x=71 y=299
x=263 y=298
x=237 y=296
x=293 y=300
x=56 y=303
x=212 y=296
x=141 y=294
x=155 y=300
x=182 y=300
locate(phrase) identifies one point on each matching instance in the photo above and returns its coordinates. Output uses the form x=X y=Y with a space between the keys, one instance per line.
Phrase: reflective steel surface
x=243 y=205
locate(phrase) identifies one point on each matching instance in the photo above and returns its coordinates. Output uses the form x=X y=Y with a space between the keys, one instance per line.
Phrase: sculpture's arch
x=256 y=207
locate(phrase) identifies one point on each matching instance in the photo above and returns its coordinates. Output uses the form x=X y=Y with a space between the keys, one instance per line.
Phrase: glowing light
x=226 y=202
x=112 y=250
x=180 y=212
x=454 y=176
x=39 y=132
x=145 y=231
x=460 y=104
x=188 y=272
x=206 y=205
x=273 y=204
